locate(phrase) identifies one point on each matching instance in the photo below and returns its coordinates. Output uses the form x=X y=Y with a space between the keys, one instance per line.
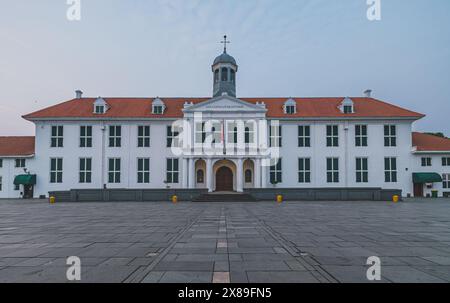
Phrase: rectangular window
x=333 y=170
x=1 y=163
x=275 y=135
x=172 y=137
x=20 y=163
x=85 y=170
x=426 y=161
x=200 y=134
x=99 y=109
x=144 y=136
x=446 y=181
x=56 y=170
x=57 y=136
x=332 y=135
x=360 y=135
x=290 y=109
x=114 y=170
x=390 y=169
x=445 y=161
x=1 y=183
x=16 y=186
x=304 y=170
x=304 y=136
x=115 y=136
x=143 y=170
x=390 y=135
x=172 y=170
x=85 y=136
x=276 y=173
x=362 y=170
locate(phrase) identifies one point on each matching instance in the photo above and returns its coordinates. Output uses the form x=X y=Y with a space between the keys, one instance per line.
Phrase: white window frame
x=144 y=138
x=446 y=181
x=172 y=172
x=275 y=135
x=304 y=140
x=362 y=136
x=144 y=172
x=58 y=171
x=362 y=173
x=87 y=138
x=172 y=136
x=277 y=171
x=84 y=172
x=390 y=137
x=333 y=170
x=115 y=138
x=426 y=161
x=304 y=175
x=116 y=172
x=99 y=109
x=390 y=174
x=58 y=137
x=20 y=163
x=332 y=137
x=445 y=161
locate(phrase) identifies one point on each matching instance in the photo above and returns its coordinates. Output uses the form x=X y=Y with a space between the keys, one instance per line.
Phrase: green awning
x=25 y=180
x=426 y=177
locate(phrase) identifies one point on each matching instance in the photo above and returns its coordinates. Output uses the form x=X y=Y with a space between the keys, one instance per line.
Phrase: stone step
x=225 y=198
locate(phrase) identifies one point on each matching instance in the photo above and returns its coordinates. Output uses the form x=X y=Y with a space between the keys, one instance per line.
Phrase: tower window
x=224 y=74
x=216 y=75
x=233 y=76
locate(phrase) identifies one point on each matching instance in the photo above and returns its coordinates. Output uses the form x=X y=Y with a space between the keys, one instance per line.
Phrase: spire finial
x=225 y=42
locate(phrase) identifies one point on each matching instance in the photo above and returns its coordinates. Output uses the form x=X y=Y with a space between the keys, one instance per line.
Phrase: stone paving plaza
x=232 y=242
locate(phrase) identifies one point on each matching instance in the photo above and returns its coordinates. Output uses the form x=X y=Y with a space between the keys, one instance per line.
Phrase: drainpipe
x=103 y=129
x=346 y=127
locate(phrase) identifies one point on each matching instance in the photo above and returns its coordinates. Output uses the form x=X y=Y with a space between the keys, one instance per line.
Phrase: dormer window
x=290 y=107
x=99 y=109
x=158 y=107
x=100 y=106
x=347 y=106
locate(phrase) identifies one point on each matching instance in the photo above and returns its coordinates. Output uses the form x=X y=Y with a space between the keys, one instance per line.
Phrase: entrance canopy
x=426 y=177
x=25 y=180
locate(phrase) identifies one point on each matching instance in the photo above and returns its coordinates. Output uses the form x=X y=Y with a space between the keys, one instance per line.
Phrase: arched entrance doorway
x=224 y=179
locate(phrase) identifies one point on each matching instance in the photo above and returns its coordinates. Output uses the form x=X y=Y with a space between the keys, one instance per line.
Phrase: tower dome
x=224 y=70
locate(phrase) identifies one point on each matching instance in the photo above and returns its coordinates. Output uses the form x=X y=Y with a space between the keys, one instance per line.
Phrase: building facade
x=225 y=143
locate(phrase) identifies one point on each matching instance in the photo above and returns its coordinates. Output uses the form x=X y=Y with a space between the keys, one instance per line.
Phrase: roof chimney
x=368 y=93
x=78 y=94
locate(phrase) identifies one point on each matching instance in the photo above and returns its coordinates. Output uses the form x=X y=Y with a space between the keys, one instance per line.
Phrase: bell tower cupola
x=224 y=71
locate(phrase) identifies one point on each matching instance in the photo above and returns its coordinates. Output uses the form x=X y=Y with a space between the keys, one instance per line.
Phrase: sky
x=289 y=48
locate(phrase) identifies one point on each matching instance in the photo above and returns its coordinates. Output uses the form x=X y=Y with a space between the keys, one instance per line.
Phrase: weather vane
x=225 y=42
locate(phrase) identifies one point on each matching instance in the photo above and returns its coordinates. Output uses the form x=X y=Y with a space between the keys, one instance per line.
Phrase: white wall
x=347 y=154
x=128 y=153
x=8 y=172
x=436 y=167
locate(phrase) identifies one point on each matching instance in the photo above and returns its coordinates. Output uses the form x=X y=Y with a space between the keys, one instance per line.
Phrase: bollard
x=279 y=199
x=395 y=199
x=174 y=199
x=52 y=200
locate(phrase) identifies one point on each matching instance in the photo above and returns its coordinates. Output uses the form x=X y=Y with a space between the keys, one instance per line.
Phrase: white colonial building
x=224 y=143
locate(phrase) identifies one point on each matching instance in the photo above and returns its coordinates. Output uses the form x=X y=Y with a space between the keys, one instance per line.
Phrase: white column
x=209 y=175
x=191 y=173
x=263 y=176
x=185 y=172
x=239 y=176
x=257 y=173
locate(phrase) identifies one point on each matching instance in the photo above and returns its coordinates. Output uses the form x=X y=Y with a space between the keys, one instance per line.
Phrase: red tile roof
x=140 y=108
x=16 y=146
x=426 y=142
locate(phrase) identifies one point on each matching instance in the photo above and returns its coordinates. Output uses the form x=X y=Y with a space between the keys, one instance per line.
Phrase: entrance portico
x=223 y=174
